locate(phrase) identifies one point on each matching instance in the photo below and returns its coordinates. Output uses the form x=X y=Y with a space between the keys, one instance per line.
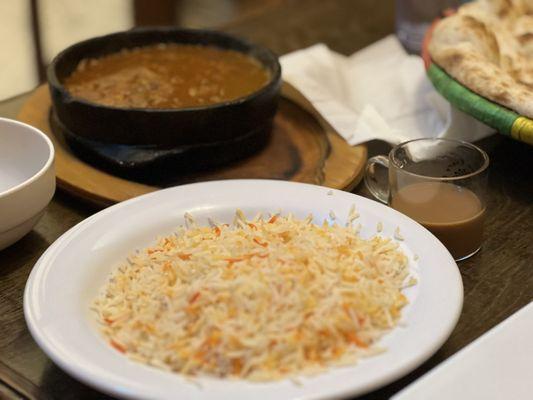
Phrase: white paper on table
x=380 y=92
x=497 y=365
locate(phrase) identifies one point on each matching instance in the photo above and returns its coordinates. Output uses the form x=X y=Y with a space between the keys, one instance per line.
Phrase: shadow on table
x=21 y=253
x=61 y=386
x=389 y=390
x=510 y=169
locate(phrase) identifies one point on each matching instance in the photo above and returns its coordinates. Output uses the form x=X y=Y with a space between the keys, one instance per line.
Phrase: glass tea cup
x=414 y=17
x=439 y=183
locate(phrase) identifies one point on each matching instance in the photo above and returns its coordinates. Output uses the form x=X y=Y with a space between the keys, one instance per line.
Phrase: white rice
x=260 y=300
x=397 y=234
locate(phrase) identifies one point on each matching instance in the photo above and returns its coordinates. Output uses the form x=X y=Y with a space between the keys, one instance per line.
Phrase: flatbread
x=488 y=47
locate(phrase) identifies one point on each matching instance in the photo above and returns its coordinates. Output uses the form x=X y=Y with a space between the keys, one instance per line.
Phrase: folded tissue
x=380 y=92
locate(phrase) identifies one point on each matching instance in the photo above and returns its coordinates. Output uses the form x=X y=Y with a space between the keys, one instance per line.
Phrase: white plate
x=68 y=276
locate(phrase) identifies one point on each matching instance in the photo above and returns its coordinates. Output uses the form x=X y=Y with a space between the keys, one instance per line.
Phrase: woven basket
x=492 y=114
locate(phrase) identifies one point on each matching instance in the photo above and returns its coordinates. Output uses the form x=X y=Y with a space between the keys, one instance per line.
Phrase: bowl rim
x=42 y=170
x=275 y=78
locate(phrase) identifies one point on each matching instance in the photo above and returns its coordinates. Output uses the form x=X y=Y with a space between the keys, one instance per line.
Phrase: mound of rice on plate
x=263 y=299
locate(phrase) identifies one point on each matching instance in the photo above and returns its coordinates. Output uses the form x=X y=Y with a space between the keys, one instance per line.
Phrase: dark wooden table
x=497 y=281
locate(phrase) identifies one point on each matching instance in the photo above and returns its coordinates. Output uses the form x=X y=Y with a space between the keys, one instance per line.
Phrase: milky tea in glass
x=441 y=184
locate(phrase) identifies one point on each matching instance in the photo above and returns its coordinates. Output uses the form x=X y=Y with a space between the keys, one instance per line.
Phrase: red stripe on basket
x=427 y=37
x=425 y=44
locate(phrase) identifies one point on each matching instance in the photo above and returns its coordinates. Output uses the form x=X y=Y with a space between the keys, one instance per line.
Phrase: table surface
x=497 y=281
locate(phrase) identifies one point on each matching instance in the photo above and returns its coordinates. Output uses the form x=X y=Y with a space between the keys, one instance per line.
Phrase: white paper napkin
x=380 y=92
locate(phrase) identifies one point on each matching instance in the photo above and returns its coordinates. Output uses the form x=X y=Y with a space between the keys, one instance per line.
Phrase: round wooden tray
x=301 y=149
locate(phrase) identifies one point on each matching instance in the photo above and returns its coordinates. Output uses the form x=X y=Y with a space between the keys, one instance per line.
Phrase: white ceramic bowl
x=27 y=178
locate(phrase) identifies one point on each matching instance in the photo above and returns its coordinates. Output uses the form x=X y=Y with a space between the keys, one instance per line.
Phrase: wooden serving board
x=301 y=149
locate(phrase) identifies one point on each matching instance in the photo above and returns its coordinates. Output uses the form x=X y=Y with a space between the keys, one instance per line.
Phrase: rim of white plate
x=110 y=385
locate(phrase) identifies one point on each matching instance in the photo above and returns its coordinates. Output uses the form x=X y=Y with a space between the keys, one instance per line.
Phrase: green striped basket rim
x=500 y=118
x=492 y=114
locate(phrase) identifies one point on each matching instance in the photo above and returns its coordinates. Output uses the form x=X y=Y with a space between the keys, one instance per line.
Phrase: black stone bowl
x=189 y=136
